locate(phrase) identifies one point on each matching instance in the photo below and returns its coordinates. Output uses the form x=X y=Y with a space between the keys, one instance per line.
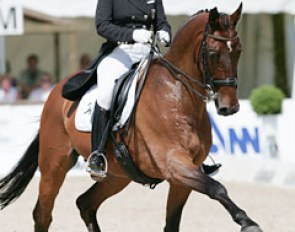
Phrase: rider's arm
x=161 y=20
x=105 y=26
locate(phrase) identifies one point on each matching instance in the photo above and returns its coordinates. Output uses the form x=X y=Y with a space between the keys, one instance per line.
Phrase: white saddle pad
x=83 y=119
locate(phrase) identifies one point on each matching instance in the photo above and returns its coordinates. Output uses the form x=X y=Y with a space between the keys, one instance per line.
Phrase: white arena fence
x=240 y=142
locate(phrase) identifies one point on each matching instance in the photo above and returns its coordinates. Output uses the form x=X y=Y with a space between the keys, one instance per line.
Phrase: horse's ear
x=235 y=17
x=214 y=18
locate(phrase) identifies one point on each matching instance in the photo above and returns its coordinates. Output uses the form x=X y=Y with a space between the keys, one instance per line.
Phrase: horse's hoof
x=251 y=229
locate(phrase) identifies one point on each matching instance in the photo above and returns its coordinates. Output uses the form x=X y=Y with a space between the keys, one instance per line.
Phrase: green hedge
x=267 y=100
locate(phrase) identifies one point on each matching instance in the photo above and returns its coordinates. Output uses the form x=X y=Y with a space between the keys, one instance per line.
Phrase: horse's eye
x=213 y=56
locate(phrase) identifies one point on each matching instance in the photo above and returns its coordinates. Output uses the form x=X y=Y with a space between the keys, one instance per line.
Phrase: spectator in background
x=8 y=93
x=30 y=77
x=84 y=61
x=41 y=92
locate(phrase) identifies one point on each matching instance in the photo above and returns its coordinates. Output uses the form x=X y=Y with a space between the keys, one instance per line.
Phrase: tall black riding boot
x=97 y=162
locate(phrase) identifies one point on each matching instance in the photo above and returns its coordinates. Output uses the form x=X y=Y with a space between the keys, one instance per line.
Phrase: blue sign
x=235 y=139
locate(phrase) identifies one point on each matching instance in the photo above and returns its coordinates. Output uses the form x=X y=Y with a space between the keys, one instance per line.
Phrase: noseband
x=209 y=84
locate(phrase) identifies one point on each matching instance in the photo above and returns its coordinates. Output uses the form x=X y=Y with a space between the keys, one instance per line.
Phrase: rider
x=127 y=23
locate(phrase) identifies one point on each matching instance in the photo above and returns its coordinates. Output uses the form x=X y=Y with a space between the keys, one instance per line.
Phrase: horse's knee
x=216 y=190
x=86 y=211
x=80 y=204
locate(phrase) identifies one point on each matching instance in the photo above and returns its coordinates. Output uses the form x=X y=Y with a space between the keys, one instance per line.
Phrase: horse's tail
x=15 y=183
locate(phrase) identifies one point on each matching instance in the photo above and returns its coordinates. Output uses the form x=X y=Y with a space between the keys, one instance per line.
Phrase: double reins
x=209 y=83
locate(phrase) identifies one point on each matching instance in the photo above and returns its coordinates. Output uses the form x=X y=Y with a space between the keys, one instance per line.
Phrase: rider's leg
x=109 y=69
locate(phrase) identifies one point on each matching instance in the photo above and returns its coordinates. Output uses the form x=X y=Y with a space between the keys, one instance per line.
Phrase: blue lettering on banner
x=230 y=141
x=244 y=140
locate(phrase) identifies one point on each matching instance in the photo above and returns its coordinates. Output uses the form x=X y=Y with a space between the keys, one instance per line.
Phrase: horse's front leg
x=177 y=198
x=183 y=171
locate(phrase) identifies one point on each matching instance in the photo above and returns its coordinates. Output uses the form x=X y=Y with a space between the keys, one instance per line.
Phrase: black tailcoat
x=116 y=20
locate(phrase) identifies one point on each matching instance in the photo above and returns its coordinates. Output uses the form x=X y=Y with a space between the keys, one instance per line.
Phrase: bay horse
x=171 y=136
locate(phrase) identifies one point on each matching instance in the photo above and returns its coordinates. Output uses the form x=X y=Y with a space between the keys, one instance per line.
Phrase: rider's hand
x=164 y=37
x=142 y=36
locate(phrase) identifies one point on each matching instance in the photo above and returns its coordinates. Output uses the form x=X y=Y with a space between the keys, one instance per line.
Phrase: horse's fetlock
x=240 y=216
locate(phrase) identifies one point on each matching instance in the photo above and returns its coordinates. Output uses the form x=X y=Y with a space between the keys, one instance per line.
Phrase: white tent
x=86 y=8
x=74 y=8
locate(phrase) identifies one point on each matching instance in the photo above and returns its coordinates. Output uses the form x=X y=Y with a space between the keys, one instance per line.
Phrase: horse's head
x=221 y=50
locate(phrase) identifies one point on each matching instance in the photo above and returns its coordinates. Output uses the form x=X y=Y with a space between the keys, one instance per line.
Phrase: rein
x=209 y=82
x=176 y=72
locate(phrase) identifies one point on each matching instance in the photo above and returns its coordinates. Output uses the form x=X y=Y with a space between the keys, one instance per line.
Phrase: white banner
x=11 y=17
x=237 y=138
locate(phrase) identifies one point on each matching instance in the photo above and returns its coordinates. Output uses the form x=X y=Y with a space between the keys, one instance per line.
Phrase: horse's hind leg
x=177 y=198
x=189 y=175
x=54 y=162
x=89 y=202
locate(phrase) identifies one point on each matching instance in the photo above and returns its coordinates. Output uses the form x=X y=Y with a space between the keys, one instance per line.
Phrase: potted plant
x=267 y=101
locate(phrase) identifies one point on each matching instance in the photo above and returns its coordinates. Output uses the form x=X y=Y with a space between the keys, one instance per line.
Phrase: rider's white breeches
x=119 y=61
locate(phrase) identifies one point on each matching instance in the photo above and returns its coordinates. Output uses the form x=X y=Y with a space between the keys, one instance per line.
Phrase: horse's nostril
x=228 y=110
x=224 y=110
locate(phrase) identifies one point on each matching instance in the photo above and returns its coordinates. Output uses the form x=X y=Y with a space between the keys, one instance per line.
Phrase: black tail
x=15 y=183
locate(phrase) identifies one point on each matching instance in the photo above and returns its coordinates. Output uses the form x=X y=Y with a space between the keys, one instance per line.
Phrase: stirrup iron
x=97 y=175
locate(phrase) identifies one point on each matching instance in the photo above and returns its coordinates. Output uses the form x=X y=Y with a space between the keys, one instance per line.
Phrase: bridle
x=209 y=80
x=209 y=84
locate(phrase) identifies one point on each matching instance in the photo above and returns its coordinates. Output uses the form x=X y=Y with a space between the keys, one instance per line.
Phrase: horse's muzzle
x=226 y=109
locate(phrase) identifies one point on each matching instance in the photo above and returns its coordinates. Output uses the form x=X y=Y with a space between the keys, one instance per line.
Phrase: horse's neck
x=187 y=42
x=184 y=54
x=185 y=50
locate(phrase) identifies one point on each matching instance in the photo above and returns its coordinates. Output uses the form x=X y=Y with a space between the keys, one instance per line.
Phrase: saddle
x=73 y=90
x=120 y=94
